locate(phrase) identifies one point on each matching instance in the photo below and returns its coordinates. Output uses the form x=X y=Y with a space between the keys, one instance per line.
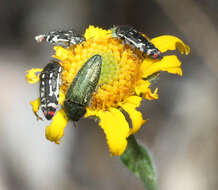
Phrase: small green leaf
x=152 y=78
x=138 y=160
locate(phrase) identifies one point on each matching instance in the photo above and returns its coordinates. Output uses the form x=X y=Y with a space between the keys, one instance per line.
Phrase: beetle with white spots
x=50 y=81
x=136 y=40
x=65 y=38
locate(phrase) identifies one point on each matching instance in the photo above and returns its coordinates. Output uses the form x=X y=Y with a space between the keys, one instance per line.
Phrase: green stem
x=138 y=160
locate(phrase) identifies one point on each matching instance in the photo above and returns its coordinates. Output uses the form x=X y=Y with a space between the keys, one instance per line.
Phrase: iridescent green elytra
x=83 y=86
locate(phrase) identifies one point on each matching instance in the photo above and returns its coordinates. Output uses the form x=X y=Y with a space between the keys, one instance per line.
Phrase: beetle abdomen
x=50 y=80
x=82 y=88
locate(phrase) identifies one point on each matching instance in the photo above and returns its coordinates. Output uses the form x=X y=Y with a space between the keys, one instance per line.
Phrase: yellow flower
x=125 y=80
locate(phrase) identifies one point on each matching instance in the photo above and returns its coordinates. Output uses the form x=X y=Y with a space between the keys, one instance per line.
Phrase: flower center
x=110 y=69
x=119 y=74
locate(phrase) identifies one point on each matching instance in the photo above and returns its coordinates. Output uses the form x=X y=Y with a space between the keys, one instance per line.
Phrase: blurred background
x=182 y=130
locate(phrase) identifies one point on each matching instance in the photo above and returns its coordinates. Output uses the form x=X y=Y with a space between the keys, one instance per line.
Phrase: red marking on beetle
x=155 y=55
x=42 y=38
x=45 y=112
x=51 y=113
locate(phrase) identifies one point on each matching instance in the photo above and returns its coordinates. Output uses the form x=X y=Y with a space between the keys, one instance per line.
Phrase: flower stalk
x=137 y=159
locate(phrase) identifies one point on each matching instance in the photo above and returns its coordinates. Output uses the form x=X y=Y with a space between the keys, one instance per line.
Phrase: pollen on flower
x=96 y=33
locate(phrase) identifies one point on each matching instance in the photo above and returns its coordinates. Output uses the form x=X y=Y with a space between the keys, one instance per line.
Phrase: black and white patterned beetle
x=50 y=81
x=63 y=38
x=135 y=39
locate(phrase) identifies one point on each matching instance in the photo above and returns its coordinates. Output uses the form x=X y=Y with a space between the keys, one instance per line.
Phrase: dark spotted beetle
x=50 y=77
x=136 y=40
x=50 y=81
x=82 y=88
x=63 y=38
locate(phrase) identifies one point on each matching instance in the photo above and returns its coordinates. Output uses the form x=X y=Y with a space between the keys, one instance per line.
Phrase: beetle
x=136 y=40
x=50 y=81
x=82 y=88
x=63 y=38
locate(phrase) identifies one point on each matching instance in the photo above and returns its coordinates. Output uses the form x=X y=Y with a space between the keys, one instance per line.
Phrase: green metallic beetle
x=82 y=88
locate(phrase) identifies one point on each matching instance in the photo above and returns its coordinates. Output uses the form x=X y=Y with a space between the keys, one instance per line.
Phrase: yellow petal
x=90 y=112
x=35 y=107
x=151 y=96
x=136 y=100
x=55 y=131
x=142 y=87
x=130 y=107
x=167 y=42
x=115 y=128
x=32 y=75
x=169 y=63
x=61 y=98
